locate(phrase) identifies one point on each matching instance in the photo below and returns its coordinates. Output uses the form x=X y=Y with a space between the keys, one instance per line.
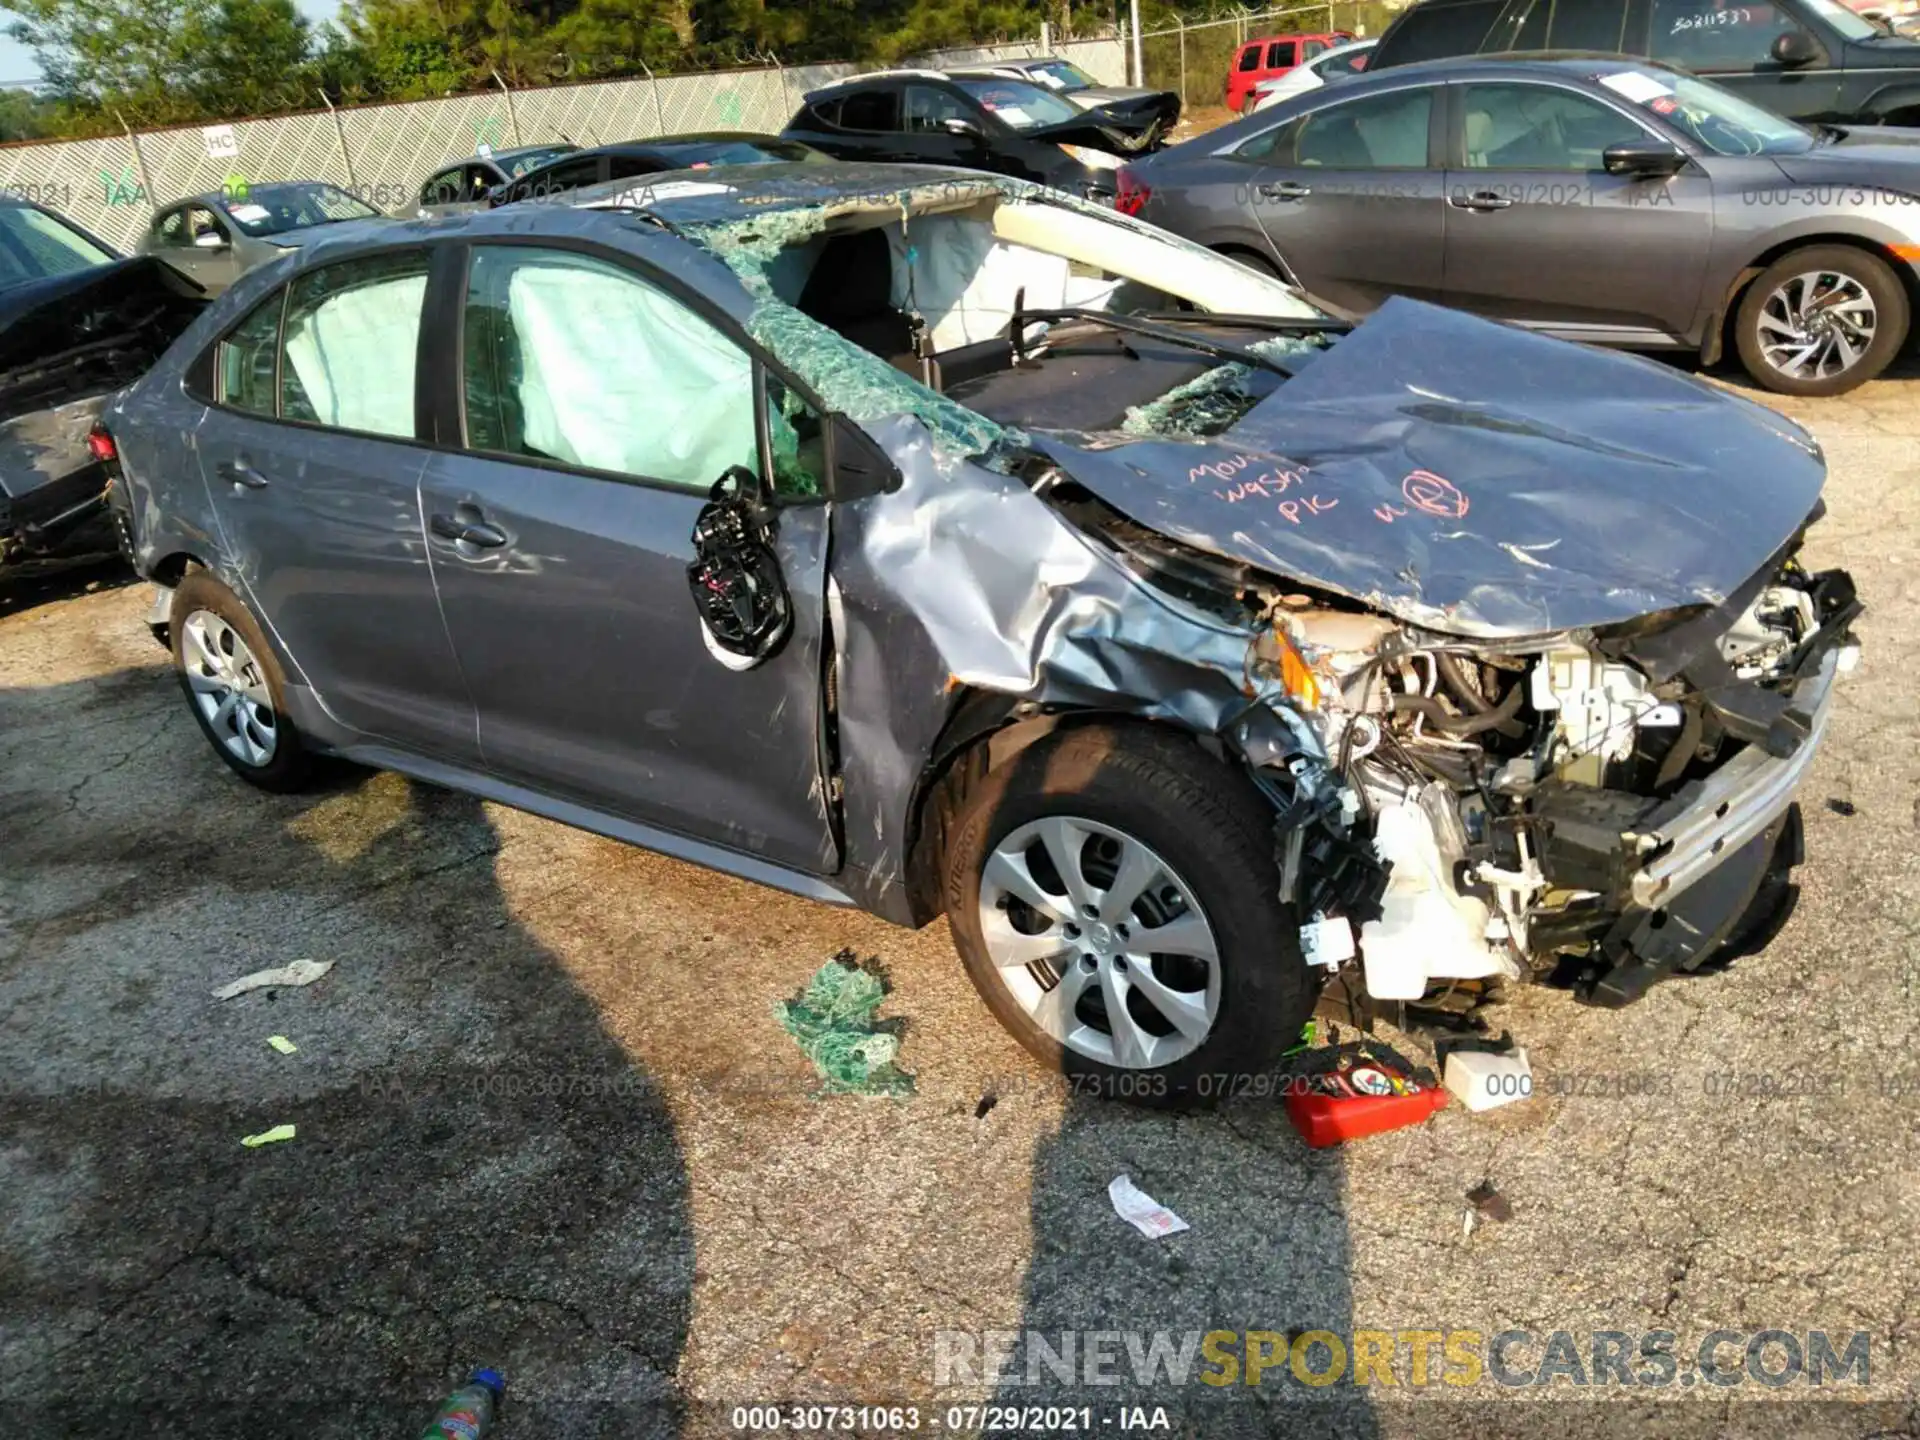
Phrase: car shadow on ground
x=1267 y=1259
x=451 y=1088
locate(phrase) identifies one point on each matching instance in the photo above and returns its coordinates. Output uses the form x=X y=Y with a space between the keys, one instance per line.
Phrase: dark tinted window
x=1250 y=58
x=1587 y=24
x=1434 y=32
x=929 y=109
x=1380 y=132
x=625 y=167
x=1279 y=53
x=243 y=362
x=827 y=112
x=1523 y=27
x=870 y=110
x=568 y=175
x=1702 y=36
x=442 y=189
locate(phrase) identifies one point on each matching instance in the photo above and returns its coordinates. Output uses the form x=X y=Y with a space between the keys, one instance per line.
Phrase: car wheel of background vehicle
x=1821 y=320
x=1114 y=895
x=234 y=686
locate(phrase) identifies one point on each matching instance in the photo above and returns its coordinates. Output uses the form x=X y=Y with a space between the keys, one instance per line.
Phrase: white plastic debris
x=1141 y=1210
x=299 y=972
x=1483 y=1081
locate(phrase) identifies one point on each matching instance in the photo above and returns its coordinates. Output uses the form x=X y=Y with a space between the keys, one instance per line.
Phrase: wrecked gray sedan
x=925 y=542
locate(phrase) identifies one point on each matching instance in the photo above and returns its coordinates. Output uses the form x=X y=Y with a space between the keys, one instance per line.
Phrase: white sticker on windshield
x=1012 y=114
x=1636 y=86
x=249 y=214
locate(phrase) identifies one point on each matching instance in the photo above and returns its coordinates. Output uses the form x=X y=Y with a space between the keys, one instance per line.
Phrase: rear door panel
x=1352 y=204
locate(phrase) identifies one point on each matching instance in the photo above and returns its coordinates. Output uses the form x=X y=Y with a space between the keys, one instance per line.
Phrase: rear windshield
x=1020 y=104
x=36 y=246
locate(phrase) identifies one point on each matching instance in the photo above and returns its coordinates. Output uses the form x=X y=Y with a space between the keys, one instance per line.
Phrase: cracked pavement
x=546 y=1120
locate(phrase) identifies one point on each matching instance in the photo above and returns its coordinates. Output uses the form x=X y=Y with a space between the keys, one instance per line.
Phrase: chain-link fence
x=384 y=152
x=1193 y=59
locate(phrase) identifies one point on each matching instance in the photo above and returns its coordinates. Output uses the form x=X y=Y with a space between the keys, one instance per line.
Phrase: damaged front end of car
x=1513 y=636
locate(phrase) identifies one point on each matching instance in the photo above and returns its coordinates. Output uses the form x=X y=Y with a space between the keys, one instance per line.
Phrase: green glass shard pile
x=833 y=1021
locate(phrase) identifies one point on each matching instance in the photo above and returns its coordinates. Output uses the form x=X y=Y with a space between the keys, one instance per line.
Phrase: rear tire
x=234 y=686
x=1168 y=843
x=1801 y=318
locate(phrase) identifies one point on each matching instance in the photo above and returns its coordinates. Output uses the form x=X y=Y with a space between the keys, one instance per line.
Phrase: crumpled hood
x=1479 y=480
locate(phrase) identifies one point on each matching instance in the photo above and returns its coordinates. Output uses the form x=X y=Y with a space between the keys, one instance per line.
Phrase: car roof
x=1577 y=64
x=658 y=143
x=1291 y=35
x=223 y=198
x=855 y=82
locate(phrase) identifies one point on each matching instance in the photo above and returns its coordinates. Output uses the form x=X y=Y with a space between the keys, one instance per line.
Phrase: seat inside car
x=850 y=291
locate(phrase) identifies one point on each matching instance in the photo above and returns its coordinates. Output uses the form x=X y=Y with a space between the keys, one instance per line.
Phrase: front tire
x=1120 y=871
x=1821 y=320
x=234 y=686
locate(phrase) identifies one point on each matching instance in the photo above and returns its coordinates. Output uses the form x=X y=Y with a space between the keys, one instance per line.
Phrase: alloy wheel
x=1101 y=942
x=229 y=688
x=1817 y=325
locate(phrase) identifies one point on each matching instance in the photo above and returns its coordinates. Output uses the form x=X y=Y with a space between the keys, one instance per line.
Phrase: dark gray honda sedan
x=927 y=542
x=1595 y=198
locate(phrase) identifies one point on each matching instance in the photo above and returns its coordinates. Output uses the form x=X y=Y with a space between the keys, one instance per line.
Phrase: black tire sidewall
x=291 y=763
x=1889 y=298
x=1267 y=991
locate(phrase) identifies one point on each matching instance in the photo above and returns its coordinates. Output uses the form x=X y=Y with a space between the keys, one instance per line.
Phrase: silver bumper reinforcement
x=1737 y=802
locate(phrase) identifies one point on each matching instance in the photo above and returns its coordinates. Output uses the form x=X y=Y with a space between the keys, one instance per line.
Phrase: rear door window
x=244 y=361
x=877 y=110
x=347 y=349
x=1379 y=132
x=1250 y=58
x=1280 y=54
x=1434 y=32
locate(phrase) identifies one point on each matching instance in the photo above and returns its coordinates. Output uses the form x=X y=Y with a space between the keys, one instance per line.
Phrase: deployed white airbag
x=616 y=377
x=353 y=355
x=964 y=280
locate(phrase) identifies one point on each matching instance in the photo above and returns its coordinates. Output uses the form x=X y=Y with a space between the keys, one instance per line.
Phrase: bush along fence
x=382 y=153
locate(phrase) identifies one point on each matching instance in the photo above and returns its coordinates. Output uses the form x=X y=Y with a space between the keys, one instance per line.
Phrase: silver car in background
x=215 y=238
x=1605 y=200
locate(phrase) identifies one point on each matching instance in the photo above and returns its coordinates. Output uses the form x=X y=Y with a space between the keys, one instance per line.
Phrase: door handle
x=1285 y=190
x=1478 y=200
x=240 y=473
x=467 y=532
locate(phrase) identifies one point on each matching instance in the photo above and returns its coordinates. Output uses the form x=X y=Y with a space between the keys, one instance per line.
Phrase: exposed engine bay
x=1513 y=796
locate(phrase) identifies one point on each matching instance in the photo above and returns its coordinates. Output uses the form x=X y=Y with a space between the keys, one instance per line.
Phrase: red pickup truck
x=1273 y=55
